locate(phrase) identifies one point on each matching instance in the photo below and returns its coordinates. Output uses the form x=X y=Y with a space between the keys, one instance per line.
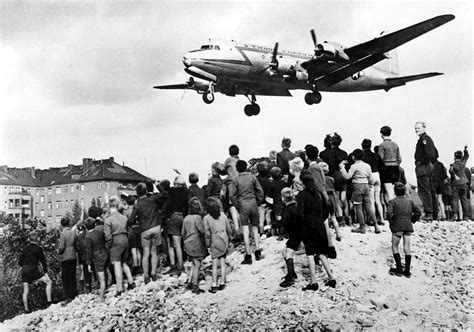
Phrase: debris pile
x=437 y=296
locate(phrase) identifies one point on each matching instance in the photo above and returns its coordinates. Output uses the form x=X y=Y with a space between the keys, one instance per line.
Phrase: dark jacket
x=425 y=151
x=289 y=219
x=147 y=211
x=68 y=244
x=372 y=159
x=177 y=201
x=214 y=186
x=95 y=246
x=439 y=172
x=32 y=255
x=401 y=213
x=195 y=191
x=274 y=191
x=245 y=186
x=333 y=158
x=283 y=157
x=457 y=170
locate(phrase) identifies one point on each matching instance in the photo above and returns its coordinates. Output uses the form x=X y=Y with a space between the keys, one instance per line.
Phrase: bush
x=11 y=289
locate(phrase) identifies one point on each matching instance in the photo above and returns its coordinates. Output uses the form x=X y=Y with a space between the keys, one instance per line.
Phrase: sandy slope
x=438 y=295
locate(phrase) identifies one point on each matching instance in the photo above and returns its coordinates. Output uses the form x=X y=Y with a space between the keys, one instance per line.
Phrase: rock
x=285 y=300
x=363 y=308
x=391 y=303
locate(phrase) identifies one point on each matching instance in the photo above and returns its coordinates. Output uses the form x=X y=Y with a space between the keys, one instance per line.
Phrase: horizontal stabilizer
x=402 y=80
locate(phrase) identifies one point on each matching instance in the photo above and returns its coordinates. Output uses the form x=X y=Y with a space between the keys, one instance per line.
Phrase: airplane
x=237 y=68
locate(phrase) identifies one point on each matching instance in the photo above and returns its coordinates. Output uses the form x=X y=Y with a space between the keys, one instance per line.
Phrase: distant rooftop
x=90 y=170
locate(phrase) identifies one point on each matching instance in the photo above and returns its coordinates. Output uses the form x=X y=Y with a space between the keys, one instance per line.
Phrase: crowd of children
x=293 y=195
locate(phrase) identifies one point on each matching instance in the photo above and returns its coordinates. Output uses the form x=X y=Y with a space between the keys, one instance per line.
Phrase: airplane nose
x=186 y=61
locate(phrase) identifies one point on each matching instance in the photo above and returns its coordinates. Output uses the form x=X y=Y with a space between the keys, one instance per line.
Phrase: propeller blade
x=313 y=36
x=273 y=65
x=171 y=87
x=275 y=52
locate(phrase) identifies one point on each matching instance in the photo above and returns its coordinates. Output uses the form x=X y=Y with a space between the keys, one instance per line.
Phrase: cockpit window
x=210 y=47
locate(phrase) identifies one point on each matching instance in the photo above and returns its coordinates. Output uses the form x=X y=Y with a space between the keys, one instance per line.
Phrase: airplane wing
x=369 y=53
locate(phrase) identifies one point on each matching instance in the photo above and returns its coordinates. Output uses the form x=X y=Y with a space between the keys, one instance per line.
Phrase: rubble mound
x=437 y=296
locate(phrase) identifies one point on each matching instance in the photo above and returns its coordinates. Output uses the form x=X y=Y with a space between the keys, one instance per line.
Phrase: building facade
x=49 y=194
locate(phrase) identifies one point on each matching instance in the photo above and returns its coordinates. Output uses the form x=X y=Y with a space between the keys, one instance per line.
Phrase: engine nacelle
x=286 y=66
x=301 y=76
x=331 y=50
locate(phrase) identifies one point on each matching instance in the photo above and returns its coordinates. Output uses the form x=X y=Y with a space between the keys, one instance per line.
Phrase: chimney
x=86 y=163
x=111 y=159
x=33 y=175
x=70 y=166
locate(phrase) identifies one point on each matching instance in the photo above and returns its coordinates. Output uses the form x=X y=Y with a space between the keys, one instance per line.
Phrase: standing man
x=425 y=154
x=284 y=156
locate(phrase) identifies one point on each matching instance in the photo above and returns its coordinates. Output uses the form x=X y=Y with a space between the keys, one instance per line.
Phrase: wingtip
x=447 y=17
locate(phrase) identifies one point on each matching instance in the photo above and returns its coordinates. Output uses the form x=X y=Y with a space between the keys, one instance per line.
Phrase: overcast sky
x=77 y=78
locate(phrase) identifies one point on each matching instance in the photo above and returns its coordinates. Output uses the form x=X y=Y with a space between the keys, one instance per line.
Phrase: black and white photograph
x=236 y=165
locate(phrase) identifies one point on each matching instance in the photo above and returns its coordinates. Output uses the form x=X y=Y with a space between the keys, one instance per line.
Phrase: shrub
x=11 y=289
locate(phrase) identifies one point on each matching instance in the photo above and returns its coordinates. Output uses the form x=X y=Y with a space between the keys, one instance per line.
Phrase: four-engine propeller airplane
x=235 y=68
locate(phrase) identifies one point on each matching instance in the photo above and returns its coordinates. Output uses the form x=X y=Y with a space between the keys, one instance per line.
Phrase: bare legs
x=49 y=284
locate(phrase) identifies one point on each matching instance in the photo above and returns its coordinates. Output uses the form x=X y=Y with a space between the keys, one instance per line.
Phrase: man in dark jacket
x=425 y=154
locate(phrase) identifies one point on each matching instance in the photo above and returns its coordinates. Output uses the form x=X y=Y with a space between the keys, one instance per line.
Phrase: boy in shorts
x=401 y=213
x=246 y=194
x=96 y=253
x=29 y=259
x=361 y=175
x=115 y=230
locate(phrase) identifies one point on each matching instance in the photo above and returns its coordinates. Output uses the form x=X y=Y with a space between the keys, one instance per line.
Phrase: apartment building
x=48 y=194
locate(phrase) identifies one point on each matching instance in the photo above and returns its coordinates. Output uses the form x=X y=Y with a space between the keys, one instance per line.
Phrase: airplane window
x=205 y=47
x=216 y=47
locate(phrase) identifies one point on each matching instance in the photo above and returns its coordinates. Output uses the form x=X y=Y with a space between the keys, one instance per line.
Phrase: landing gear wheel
x=208 y=97
x=312 y=98
x=251 y=109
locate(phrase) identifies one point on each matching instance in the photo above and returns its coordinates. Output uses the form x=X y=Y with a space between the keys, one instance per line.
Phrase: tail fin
x=390 y=65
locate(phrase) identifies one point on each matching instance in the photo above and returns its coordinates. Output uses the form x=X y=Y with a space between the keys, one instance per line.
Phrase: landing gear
x=252 y=108
x=208 y=96
x=312 y=98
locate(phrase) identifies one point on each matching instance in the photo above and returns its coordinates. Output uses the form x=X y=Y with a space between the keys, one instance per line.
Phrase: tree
x=76 y=212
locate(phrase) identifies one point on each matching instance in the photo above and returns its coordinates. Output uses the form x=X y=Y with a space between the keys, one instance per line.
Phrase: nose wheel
x=208 y=96
x=252 y=108
x=312 y=98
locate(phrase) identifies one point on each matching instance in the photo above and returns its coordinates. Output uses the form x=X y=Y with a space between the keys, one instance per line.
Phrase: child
x=194 y=188
x=217 y=234
x=290 y=222
x=263 y=177
x=447 y=197
x=401 y=213
x=274 y=192
x=330 y=191
x=311 y=210
x=29 y=259
x=68 y=246
x=459 y=183
x=246 y=194
x=193 y=239
x=96 y=253
x=214 y=184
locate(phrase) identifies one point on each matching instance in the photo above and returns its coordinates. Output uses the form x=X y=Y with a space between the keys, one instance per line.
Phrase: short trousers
x=100 y=264
x=438 y=187
x=175 y=225
x=391 y=174
x=402 y=233
x=294 y=241
x=332 y=200
x=134 y=237
x=30 y=273
x=119 y=252
x=361 y=193
x=248 y=211
x=151 y=237
x=340 y=184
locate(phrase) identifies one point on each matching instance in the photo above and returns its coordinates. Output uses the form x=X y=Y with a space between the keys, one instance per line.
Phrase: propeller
x=317 y=47
x=274 y=63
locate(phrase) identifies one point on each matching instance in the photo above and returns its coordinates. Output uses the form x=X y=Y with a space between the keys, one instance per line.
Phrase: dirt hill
x=437 y=296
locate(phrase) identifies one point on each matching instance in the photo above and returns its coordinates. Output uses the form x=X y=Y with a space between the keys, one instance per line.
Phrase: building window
x=50 y=191
x=37 y=206
x=107 y=185
x=37 y=192
x=99 y=201
x=49 y=219
x=11 y=190
x=99 y=185
x=82 y=202
x=72 y=189
x=82 y=187
x=18 y=190
x=67 y=203
x=42 y=199
x=50 y=206
x=58 y=219
x=42 y=213
x=66 y=188
x=11 y=204
x=58 y=191
x=59 y=205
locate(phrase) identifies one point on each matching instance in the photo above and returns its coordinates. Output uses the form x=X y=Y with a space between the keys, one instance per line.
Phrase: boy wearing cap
x=245 y=194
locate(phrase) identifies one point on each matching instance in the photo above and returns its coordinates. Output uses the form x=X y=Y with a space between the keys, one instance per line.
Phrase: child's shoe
x=332 y=253
x=189 y=286
x=258 y=254
x=131 y=286
x=197 y=290
x=287 y=282
x=247 y=260
x=213 y=289
x=395 y=272
x=330 y=283
x=313 y=287
x=221 y=286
